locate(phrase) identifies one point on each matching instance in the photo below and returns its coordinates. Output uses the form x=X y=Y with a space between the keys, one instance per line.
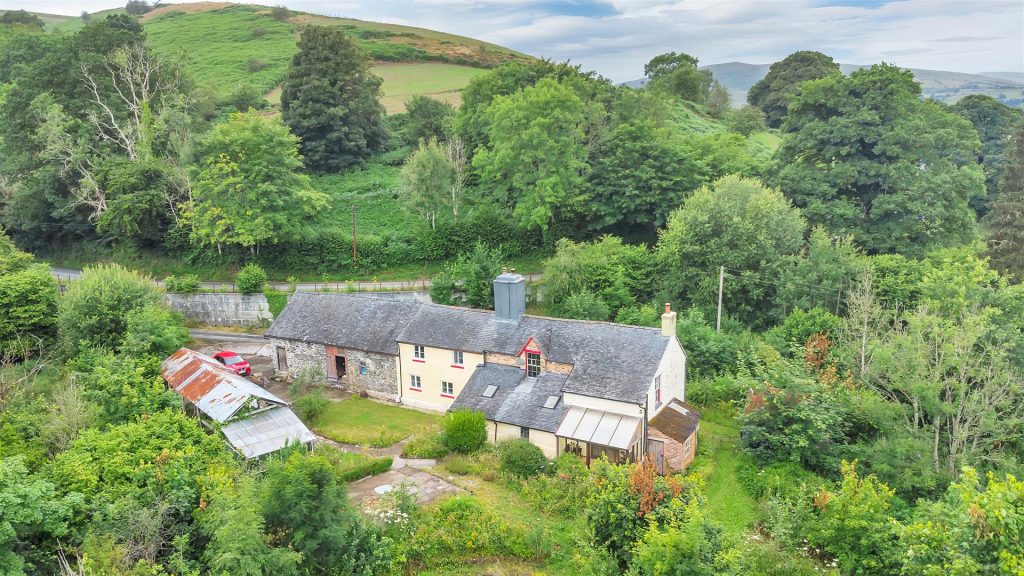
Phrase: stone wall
x=677 y=457
x=379 y=381
x=222 y=309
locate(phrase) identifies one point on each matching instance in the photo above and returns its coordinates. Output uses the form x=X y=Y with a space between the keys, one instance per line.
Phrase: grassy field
x=728 y=501
x=356 y=420
x=441 y=81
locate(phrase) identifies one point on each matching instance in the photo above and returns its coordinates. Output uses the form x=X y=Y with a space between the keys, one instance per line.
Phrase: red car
x=234 y=361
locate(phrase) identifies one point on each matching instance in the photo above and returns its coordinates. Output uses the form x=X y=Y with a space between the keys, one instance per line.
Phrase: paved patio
x=428 y=487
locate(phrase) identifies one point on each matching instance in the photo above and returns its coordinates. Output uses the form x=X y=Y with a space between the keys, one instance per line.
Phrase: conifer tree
x=330 y=101
x=1004 y=223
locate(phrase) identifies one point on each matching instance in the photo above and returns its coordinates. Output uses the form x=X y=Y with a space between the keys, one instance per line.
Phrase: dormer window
x=532 y=364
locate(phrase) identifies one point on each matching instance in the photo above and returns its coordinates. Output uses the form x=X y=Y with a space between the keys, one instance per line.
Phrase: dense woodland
x=870 y=360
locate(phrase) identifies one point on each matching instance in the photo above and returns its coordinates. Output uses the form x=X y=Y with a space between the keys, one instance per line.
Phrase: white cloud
x=617 y=37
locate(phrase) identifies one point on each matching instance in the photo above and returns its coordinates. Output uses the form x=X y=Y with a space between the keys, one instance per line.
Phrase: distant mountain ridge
x=1007 y=87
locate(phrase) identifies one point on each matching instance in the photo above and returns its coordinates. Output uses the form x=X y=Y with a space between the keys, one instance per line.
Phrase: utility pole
x=354 y=253
x=721 y=286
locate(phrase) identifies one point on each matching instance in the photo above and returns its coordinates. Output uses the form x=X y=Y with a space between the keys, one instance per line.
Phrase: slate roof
x=518 y=400
x=356 y=321
x=216 y=391
x=612 y=361
x=678 y=420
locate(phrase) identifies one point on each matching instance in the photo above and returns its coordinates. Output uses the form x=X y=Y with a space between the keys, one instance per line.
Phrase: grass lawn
x=441 y=81
x=361 y=421
x=728 y=501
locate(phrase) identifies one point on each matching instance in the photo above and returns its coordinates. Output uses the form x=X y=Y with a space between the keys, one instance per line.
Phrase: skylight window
x=489 y=391
x=551 y=402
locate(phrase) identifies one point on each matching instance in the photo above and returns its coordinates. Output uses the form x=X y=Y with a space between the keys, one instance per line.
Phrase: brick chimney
x=668 y=321
x=509 y=296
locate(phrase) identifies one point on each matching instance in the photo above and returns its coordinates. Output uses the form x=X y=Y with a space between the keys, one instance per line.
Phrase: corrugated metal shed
x=266 y=432
x=215 y=390
x=599 y=427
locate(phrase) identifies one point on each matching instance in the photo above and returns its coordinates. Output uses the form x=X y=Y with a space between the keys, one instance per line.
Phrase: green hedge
x=369 y=467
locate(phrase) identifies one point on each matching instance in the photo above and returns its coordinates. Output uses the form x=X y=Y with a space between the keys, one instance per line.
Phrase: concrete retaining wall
x=222 y=309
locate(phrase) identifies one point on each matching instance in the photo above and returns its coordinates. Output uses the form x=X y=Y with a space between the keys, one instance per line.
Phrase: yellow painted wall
x=546 y=441
x=435 y=368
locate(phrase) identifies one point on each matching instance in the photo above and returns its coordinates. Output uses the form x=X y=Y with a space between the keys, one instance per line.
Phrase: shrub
x=155 y=330
x=28 y=310
x=460 y=529
x=184 y=284
x=311 y=407
x=250 y=279
x=281 y=13
x=426 y=445
x=564 y=491
x=465 y=430
x=723 y=389
x=521 y=458
x=765 y=559
x=458 y=464
x=791 y=336
x=258 y=31
x=256 y=64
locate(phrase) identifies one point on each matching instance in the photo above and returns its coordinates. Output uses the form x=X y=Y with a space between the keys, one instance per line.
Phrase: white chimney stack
x=668 y=321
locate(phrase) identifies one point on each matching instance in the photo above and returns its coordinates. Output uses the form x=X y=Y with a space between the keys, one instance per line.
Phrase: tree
x=428 y=118
x=153 y=330
x=582 y=279
x=719 y=101
x=825 y=268
x=250 y=191
x=330 y=101
x=678 y=75
x=641 y=174
x=687 y=547
x=137 y=7
x=427 y=179
x=738 y=223
x=536 y=159
x=747 y=120
x=22 y=18
x=773 y=92
x=306 y=510
x=474 y=273
x=31 y=512
x=863 y=155
x=125 y=387
x=94 y=310
x=465 y=430
x=1004 y=222
x=996 y=124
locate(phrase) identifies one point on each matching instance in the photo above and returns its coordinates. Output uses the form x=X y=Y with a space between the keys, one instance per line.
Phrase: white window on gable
x=415 y=383
x=532 y=364
x=456 y=357
x=419 y=352
x=447 y=389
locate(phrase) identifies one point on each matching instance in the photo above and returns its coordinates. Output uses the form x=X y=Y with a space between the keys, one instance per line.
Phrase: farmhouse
x=582 y=387
x=254 y=422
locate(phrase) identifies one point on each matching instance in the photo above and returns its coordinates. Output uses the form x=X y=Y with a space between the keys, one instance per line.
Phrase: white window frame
x=457 y=358
x=415 y=382
x=447 y=388
x=419 y=352
x=524 y=432
x=529 y=366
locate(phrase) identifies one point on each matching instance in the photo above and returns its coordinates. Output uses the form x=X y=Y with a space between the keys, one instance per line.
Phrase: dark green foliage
x=136 y=209
x=641 y=174
x=306 y=508
x=251 y=279
x=28 y=310
x=792 y=335
x=427 y=118
x=369 y=467
x=126 y=387
x=896 y=280
x=329 y=99
x=465 y=430
x=276 y=301
x=996 y=124
x=584 y=305
x=94 y=310
x=22 y=18
x=826 y=268
x=462 y=530
x=595 y=280
x=721 y=390
x=245 y=98
x=747 y=120
x=184 y=284
x=711 y=353
x=678 y=75
x=137 y=7
x=474 y=273
x=521 y=458
x=1004 y=223
x=280 y=13
x=863 y=155
x=772 y=93
x=742 y=225
x=687 y=547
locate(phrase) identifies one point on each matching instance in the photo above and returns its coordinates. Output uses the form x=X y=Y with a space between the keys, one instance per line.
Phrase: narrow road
x=420 y=285
x=218 y=336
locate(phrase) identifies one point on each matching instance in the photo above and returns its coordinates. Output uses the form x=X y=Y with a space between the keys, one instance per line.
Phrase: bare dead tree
x=137 y=77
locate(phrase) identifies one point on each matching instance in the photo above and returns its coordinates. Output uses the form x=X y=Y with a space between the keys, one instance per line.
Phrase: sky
x=616 y=37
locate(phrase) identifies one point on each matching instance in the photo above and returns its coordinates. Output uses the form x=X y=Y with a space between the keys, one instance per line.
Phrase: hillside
x=227 y=45
x=941 y=85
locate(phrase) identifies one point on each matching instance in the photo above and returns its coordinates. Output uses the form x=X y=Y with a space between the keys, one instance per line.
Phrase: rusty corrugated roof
x=216 y=391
